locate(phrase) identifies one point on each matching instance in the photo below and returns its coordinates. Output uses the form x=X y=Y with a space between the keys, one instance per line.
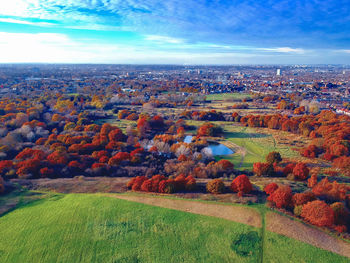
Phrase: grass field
x=90 y=228
x=228 y=96
x=94 y=228
x=278 y=248
x=256 y=142
x=257 y=146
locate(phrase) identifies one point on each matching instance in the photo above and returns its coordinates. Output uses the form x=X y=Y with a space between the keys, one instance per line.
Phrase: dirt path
x=285 y=226
x=274 y=222
x=238 y=214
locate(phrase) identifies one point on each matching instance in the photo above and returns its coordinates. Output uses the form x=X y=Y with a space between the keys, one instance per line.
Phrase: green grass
x=225 y=96
x=278 y=248
x=257 y=146
x=94 y=228
x=91 y=228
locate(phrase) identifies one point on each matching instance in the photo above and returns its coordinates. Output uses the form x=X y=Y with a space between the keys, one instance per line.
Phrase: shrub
x=297 y=210
x=167 y=186
x=242 y=185
x=190 y=183
x=180 y=182
x=2 y=185
x=225 y=165
x=312 y=181
x=303 y=198
x=288 y=169
x=137 y=183
x=318 y=213
x=263 y=169
x=131 y=183
x=273 y=157
x=270 y=188
x=147 y=185
x=331 y=191
x=282 y=197
x=300 y=171
x=215 y=186
x=341 y=215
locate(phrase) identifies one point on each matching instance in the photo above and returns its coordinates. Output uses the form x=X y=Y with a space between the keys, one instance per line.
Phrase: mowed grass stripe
x=88 y=228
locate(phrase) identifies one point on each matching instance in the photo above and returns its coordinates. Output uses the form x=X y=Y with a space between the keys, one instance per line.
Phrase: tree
x=2 y=185
x=270 y=188
x=263 y=169
x=215 y=186
x=303 y=198
x=300 y=171
x=282 y=197
x=318 y=213
x=241 y=185
x=273 y=157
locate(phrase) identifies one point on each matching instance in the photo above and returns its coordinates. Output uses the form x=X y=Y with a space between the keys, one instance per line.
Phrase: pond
x=215 y=148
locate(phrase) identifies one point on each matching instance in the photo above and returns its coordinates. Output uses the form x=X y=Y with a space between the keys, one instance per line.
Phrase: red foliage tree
x=312 y=181
x=270 y=188
x=288 y=169
x=119 y=157
x=303 y=198
x=46 y=172
x=57 y=158
x=263 y=169
x=225 y=165
x=167 y=186
x=5 y=165
x=190 y=183
x=331 y=191
x=241 y=185
x=282 y=197
x=116 y=135
x=300 y=171
x=318 y=213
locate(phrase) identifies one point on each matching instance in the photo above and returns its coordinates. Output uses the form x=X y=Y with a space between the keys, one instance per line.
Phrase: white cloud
x=283 y=50
x=24 y=22
x=164 y=39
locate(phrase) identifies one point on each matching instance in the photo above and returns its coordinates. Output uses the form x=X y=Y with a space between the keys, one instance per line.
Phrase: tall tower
x=278 y=73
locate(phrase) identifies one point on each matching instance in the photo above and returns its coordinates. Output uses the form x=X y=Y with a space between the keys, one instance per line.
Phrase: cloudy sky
x=175 y=32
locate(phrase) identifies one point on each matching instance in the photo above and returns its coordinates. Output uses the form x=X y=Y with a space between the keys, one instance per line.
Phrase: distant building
x=278 y=73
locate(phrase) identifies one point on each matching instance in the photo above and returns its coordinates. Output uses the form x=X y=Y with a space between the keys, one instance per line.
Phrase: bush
x=282 y=197
x=190 y=183
x=331 y=191
x=318 y=213
x=180 y=182
x=300 y=171
x=288 y=169
x=297 y=210
x=341 y=215
x=303 y=198
x=270 y=188
x=225 y=165
x=215 y=186
x=241 y=185
x=167 y=186
x=263 y=169
x=312 y=181
x=2 y=185
x=273 y=157
x=137 y=183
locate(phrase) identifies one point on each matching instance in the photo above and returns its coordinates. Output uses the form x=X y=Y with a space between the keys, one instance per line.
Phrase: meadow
x=228 y=96
x=95 y=228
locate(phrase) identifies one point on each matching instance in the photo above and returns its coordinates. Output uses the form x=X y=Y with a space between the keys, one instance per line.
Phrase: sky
x=175 y=32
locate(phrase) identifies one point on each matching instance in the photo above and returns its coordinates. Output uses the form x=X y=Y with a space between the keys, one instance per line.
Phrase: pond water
x=215 y=148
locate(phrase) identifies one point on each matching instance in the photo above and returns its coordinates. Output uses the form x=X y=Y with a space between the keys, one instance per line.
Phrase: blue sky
x=175 y=32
